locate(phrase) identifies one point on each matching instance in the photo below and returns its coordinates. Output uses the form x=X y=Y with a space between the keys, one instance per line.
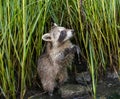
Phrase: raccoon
x=52 y=65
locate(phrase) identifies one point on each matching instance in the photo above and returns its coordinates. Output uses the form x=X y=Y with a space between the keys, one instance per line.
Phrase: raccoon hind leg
x=63 y=76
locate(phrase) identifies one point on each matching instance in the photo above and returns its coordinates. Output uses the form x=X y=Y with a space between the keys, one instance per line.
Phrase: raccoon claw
x=78 y=49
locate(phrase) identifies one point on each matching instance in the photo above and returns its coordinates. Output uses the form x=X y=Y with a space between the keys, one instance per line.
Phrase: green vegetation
x=22 y=23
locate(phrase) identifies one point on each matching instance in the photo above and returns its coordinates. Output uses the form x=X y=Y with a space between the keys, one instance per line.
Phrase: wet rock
x=101 y=97
x=45 y=96
x=83 y=78
x=112 y=75
x=109 y=88
x=69 y=91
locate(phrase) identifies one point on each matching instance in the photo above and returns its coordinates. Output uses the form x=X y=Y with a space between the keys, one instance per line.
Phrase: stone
x=72 y=90
x=113 y=75
x=83 y=78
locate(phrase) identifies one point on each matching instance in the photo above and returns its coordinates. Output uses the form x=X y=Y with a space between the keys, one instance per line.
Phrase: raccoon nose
x=72 y=30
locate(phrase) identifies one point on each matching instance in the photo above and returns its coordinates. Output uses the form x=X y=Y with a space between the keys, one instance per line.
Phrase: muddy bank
x=107 y=88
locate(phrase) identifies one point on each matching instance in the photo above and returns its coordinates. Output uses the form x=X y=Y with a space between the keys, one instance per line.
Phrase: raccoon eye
x=63 y=32
x=62 y=36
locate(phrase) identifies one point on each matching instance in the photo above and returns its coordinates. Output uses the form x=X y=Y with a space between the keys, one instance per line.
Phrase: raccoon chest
x=60 y=59
x=57 y=56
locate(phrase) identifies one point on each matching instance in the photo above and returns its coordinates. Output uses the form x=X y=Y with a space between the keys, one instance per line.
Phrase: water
x=107 y=89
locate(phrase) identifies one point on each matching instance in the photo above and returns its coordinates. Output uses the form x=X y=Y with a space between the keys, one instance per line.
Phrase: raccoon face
x=58 y=34
x=65 y=34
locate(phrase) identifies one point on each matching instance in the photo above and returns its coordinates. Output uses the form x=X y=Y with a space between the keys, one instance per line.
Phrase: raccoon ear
x=46 y=37
x=55 y=24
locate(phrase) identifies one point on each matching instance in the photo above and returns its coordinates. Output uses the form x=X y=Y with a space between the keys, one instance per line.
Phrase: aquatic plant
x=22 y=22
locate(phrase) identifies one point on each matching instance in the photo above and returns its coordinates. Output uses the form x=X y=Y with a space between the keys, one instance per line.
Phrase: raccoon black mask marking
x=62 y=36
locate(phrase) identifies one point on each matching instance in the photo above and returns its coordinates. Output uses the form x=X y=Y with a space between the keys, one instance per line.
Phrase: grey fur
x=52 y=65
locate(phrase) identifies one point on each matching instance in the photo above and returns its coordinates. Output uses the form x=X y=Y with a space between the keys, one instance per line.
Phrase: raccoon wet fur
x=52 y=65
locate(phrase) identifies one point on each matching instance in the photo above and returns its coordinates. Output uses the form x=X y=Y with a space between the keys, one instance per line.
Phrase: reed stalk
x=22 y=24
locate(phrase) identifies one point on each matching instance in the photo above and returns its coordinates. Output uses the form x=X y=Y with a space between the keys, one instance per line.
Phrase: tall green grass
x=22 y=23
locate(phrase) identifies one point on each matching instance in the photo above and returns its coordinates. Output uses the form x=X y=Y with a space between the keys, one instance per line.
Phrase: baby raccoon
x=52 y=65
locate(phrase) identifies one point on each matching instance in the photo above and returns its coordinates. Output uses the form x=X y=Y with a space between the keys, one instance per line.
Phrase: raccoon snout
x=72 y=31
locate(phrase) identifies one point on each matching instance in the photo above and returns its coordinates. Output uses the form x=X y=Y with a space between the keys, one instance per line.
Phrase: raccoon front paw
x=75 y=49
x=66 y=51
